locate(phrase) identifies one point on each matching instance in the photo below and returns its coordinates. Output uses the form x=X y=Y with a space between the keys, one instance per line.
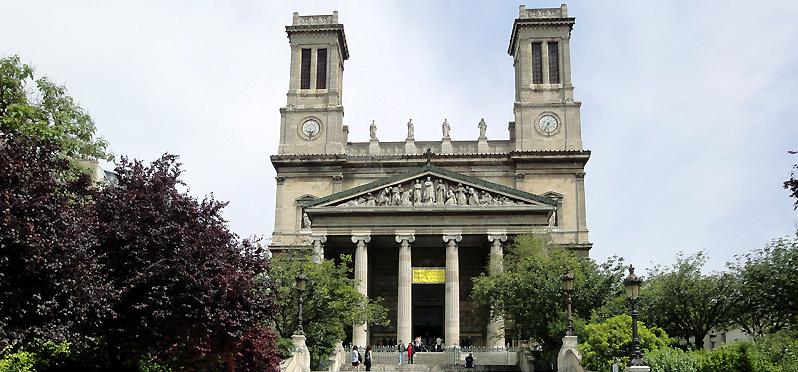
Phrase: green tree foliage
x=51 y=283
x=37 y=357
x=331 y=303
x=530 y=291
x=668 y=359
x=685 y=302
x=186 y=288
x=791 y=184
x=767 y=299
x=610 y=341
x=779 y=349
x=39 y=108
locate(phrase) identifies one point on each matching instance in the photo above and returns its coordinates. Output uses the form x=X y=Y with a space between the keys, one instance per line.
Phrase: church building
x=421 y=217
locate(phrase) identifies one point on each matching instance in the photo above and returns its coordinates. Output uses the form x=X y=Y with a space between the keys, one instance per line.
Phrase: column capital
x=280 y=180
x=497 y=238
x=452 y=237
x=361 y=237
x=405 y=237
x=318 y=238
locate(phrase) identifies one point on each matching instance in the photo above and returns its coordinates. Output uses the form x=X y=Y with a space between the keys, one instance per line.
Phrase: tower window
x=537 y=64
x=554 y=62
x=304 y=74
x=321 y=69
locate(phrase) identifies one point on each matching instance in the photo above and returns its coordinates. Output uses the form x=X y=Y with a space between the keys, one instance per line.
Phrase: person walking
x=409 y=353
x=355 y=359
x=367 y=358
x=400 y=347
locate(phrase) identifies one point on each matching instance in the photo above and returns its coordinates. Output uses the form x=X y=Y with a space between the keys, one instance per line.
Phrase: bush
x=612 y=340
x=669 y=359
x=37 y=357
x=779 y=349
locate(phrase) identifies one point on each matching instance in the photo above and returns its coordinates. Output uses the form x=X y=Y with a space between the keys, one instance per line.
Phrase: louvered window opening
x=321 y=69
x=304 y=75
x=537 y=64
x=554 y=62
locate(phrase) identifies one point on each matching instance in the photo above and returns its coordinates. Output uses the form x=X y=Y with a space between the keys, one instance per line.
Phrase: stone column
x=359 y=332
x=452 y=311
x=496 y=326
x=404 y=308
x=318 y=247
x=544 y=50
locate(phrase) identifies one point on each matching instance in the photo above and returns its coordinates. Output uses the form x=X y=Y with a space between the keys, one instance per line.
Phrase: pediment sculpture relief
x=429 y=191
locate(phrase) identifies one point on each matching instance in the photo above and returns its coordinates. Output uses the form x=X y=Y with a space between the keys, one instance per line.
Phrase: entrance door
x=428 y=323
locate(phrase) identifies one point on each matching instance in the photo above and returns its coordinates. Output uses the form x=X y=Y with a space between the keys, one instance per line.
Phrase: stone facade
x=400 y=205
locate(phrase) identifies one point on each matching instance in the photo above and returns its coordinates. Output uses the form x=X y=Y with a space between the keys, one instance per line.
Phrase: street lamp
x=631 y=285
x=301 y=285
x=568 y=283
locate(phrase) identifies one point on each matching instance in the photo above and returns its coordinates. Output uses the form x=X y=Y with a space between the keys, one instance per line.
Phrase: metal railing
x=483 y=355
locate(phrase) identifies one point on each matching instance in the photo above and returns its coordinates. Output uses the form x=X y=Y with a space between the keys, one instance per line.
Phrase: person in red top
x=409 y=353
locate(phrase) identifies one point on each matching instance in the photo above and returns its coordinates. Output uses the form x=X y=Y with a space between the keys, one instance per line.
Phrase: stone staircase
x=433 y=368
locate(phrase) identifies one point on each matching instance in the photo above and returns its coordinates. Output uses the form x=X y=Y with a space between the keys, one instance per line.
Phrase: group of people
x=406 y=353
x=417 y=346
x=357 y=358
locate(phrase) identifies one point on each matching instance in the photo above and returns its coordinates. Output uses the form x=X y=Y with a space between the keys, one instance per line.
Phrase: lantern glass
x=632 y=284
x=632 y=290
x=301 y=282
x=568 y=281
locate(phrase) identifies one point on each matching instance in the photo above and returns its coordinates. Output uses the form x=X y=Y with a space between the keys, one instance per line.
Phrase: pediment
x=432 y=187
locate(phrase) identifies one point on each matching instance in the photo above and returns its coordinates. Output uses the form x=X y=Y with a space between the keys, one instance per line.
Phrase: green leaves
x=42 y=109
x=332 y=303
x=684 y=301
x=530 y=291
x=611 y=340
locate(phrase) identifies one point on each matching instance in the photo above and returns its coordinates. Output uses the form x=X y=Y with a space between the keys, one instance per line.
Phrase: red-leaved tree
x=51 y=283
x=188 y=295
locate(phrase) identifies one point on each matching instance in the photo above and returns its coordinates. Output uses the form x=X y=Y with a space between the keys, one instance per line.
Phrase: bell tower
x=312 y=120
x=546 y=115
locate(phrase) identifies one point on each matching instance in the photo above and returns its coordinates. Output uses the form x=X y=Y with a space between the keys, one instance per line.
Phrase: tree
x=51 y=284
x=685 y=302
x=41 y=109
x=767 y=299
x=611 y=340
x=529 y=290
x=331 y=302
x=188 y=293
x=792 y=184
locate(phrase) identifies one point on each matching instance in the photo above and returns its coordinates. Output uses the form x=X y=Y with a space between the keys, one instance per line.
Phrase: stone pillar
x=318 y=247
x=496 y=326
x=404 y=308
x=452 y=311
x=359 y=332
x=544 y=50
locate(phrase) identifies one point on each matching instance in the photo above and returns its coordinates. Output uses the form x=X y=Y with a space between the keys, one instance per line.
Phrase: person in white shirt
x=355 y=359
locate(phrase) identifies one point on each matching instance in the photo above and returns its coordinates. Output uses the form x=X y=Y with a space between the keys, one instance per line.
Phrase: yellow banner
x=429 y=275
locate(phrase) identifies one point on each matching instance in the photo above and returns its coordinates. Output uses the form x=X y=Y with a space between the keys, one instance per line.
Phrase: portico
x=401 y=249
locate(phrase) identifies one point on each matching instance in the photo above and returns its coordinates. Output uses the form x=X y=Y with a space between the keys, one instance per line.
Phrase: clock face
x=311 y=128
x=548 y=125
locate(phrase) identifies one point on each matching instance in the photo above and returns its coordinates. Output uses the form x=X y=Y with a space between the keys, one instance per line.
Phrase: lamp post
x=568 y=283
x=632 y=286
x=301 y=285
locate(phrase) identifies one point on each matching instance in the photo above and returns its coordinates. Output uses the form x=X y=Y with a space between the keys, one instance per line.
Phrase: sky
x=689 y=108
